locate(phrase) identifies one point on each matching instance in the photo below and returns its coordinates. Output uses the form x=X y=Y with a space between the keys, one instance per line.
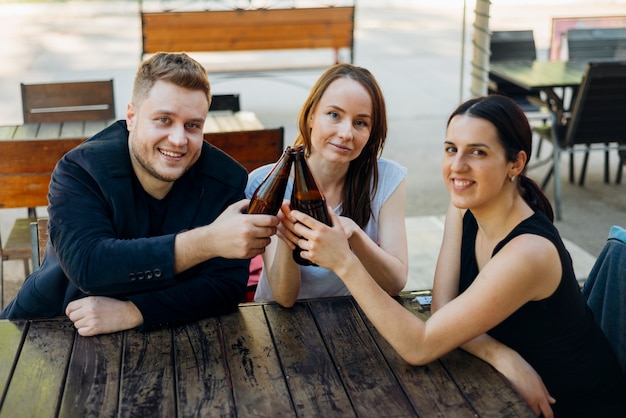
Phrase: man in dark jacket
x=145 y=218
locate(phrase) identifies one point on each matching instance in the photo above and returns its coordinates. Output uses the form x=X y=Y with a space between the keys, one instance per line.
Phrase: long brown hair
x=362 y=176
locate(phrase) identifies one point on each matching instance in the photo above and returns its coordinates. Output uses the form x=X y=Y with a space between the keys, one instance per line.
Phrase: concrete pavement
x=413 y=47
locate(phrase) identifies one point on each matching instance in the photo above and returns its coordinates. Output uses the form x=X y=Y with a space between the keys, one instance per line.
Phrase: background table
x=218 y=121
x=320 y=358
x=546 y=76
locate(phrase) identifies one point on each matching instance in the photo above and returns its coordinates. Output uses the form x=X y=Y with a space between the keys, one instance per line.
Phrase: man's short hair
x=177 y=68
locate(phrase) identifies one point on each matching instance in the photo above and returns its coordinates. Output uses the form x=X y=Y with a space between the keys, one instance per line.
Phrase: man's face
x=165 y=135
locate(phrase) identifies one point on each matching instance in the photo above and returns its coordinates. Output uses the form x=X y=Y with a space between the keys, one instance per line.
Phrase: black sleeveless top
x=557 y=335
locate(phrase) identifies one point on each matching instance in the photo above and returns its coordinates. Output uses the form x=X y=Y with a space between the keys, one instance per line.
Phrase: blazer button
x=140 y=276
x=132 y=277
x=148 y=275
x=157 y=273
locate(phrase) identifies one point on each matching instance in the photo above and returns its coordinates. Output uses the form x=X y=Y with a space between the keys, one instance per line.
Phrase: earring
x=512 y=179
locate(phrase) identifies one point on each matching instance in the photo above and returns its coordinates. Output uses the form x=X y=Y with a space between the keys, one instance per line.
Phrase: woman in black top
x=504 y=288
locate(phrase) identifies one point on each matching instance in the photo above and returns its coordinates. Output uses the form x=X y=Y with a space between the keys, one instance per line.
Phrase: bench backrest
x=251 y=149
x=246 y=30
x=596 y=43
x=66 y=102
x=25 y=170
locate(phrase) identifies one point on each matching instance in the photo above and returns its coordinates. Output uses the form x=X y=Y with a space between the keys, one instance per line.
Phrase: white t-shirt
x=317 y=281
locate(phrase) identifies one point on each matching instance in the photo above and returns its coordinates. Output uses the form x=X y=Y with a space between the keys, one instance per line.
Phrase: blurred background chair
x=225 y=102
x=516 y=45
x=605 y=291
x=597 y=122
x=591 y=44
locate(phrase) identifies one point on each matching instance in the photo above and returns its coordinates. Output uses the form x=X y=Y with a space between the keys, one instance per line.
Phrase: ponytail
x=534 y=196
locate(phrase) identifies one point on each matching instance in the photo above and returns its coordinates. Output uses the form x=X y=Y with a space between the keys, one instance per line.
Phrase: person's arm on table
x=386 y=261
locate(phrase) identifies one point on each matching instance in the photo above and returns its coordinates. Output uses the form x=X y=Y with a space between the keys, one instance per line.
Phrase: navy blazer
x=100 y=241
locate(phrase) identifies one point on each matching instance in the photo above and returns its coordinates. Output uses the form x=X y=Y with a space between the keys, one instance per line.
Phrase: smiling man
x=145 y=218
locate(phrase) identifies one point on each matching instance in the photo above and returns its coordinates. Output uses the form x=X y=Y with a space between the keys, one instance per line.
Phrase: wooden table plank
x=49 y=130
x=477 y=375
x=210 y=124
x=147 y=381
x=28 y=131
x=364 y=371
x=7 y=132
x=487 y=390
x=72 y=130
x=313 y=381
x=248 y=121
x=258 y=382
x=226 y=121
x=92 y=127
x=430 y=388
x=11 y=334
x=37 y=382
x=92 y=387
x=201 y=371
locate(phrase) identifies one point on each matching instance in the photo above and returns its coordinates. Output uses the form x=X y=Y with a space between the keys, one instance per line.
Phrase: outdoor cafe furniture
x=595 y=116
x=320 y=358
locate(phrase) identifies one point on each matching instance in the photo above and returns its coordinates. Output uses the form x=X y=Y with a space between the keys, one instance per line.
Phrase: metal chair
x=225 y=102
x=597 y=122
x=595 y=43
x=515 y=45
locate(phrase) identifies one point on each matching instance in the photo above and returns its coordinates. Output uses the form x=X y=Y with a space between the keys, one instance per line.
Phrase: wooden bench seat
x=248 y=30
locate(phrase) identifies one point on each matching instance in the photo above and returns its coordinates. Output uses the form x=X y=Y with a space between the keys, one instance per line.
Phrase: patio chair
x=596 y=122
x=596 y=43
x=605 y=291
x=225 y=102
x=516 y=45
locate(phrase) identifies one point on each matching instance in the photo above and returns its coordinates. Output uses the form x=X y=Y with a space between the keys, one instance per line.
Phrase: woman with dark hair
x=504 y=288
x=343 y=127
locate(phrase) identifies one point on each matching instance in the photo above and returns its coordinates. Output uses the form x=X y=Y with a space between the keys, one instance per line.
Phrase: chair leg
x=557 y=180
x=571 y=166
x=606 y=164
x=583 y=170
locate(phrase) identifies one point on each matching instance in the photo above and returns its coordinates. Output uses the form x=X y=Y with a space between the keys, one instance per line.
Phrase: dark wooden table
x=321 y=358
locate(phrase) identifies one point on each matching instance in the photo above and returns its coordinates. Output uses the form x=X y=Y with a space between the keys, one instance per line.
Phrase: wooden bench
x=25 y=171
x=248 y=30
x=251 y=149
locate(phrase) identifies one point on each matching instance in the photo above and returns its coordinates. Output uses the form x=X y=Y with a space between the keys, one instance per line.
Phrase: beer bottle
x=268 y=197
x=306 y=197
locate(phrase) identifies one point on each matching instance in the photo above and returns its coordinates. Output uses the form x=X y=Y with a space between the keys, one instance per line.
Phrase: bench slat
x=242 y=30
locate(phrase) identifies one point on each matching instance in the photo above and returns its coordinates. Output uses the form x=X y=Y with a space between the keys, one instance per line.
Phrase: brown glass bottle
x=306 y=197
x=268 y=197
